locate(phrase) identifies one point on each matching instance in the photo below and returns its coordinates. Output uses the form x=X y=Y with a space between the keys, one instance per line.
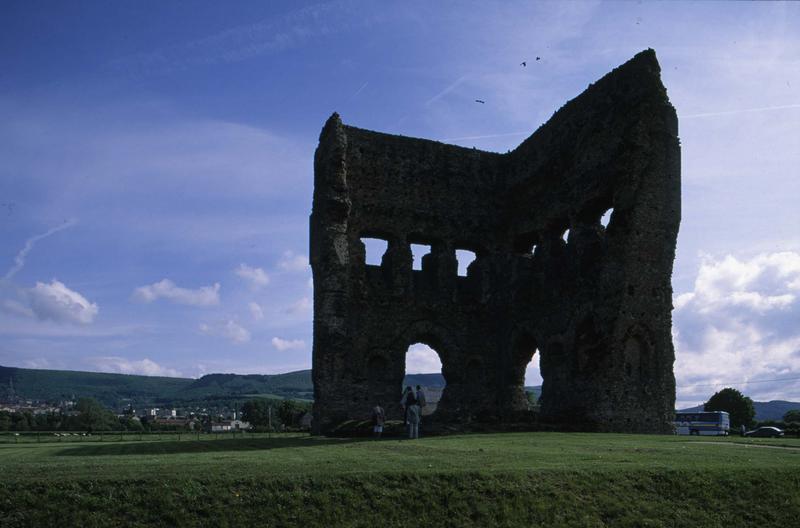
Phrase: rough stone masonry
x=595 y=301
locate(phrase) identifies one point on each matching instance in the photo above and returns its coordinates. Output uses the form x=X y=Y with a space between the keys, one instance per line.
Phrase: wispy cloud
x=120 y=365
x=17 y=308
x=166 y=289
x=256 y=312
x=19 y=260
x=229 y=329
x=300 y=306
x=248 y=41
x=739 y=111
x=291 y=261
x=288 y=344
x=257 y=277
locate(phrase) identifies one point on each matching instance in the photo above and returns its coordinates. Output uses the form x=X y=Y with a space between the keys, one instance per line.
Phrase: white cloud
x=120 y=365
x=739 y=326
x=293 y=262
x=58 y=303
x=257 y=277
x=255 y=311
x=288 y=344
x=422 y=359
x=300 y=306
x=229 y=329
x=166 y=289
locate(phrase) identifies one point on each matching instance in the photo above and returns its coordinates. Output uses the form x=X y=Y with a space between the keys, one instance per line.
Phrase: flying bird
x=479 y=101
x=523 y=63
x=538 y=58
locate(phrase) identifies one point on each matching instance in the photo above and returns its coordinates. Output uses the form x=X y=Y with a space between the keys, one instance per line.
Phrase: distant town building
x=229 y=425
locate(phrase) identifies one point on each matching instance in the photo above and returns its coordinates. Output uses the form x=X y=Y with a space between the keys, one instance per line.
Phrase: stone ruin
x=595 y=301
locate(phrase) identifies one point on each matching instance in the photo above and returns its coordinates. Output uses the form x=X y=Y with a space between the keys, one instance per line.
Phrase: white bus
x=711 y=423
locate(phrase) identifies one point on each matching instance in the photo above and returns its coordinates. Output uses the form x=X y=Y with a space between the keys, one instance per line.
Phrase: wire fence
x=41 y=437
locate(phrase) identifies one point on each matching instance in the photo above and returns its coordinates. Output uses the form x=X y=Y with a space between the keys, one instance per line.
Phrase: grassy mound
x=525 y=479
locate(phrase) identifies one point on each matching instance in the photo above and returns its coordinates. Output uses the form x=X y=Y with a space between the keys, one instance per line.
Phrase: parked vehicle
x=765 y=432
x=714 y=423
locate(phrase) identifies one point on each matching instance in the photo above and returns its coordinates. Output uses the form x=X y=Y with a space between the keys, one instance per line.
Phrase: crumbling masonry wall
x=596 y=306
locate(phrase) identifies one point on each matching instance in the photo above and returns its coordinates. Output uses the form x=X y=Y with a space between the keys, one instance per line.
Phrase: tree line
x=741 y=410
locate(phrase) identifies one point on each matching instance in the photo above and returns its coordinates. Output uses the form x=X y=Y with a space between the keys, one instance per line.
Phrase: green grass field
x=515 y=479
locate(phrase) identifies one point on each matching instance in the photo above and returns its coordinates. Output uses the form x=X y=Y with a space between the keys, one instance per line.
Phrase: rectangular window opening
x=419 y=251
x=375 y=248
x=465 y=257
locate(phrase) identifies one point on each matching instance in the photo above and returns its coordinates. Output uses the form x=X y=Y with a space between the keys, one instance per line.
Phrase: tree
x=792 y=416
x=92 y=416
x=256 y=412
x=737 y=405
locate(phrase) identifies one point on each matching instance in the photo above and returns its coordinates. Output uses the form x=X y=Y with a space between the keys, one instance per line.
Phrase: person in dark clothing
x=407 y=401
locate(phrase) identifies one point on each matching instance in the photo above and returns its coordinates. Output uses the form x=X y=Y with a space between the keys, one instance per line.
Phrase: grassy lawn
x=511 y=479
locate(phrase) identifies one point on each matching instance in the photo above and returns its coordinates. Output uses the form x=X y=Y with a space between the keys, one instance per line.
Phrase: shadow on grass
x=173 y=447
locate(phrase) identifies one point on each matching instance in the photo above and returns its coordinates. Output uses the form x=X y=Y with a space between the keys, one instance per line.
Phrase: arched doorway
x=423 y=368
x=533 y=381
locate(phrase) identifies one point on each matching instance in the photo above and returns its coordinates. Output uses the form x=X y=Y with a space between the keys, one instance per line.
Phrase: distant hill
x=771 y=410
x=117 y=390
x=54 y=385
x=425 y=380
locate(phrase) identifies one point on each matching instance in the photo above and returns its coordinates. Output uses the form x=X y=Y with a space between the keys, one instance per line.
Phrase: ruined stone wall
x=597 y=306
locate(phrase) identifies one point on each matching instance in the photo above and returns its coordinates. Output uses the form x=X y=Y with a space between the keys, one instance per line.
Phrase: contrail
x=447 y=90
x=359 y=90
x=19 y=260
x=742 y=111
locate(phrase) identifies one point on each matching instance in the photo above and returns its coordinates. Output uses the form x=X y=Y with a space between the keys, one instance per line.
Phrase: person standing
x=378 y=421
x=421 y=400
x=413 y=416
x=406 y=401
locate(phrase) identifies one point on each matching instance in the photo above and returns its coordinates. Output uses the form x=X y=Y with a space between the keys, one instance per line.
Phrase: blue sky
x=157 y=165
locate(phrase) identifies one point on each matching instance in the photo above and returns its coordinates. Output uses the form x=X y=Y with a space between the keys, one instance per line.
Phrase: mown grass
x=521 y=479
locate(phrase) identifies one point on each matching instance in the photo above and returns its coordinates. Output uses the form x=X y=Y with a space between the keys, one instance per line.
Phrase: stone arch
x=523 y=349
x=446 y=347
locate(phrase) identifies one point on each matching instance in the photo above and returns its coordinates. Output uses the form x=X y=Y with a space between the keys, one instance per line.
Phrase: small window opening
x=419 y=251
x=375 y=249
x=465 y=257
x=565 y=236
x=606 y=217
